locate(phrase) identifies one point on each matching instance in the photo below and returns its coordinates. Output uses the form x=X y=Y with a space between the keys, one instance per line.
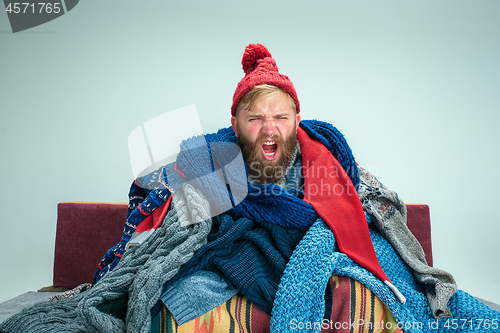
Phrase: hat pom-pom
x=253 y=52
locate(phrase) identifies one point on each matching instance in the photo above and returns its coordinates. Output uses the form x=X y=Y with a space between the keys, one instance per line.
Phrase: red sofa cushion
x=85 y=231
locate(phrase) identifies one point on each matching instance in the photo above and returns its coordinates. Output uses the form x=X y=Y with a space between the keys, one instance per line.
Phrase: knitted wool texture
x=260 y=68
x=300 y=297
x=142 y=202
x=283 y=208
x=195 y=295
x=250 y=255
x=121 y=301
x=389 y=212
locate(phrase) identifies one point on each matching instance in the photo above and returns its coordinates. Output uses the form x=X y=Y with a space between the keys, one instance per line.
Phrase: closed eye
x=255 y=118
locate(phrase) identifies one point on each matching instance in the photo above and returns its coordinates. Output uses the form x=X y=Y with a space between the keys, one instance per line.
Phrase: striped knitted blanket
x=352 y=302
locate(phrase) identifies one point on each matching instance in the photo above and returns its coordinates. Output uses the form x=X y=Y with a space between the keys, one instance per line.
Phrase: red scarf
x=330 y=191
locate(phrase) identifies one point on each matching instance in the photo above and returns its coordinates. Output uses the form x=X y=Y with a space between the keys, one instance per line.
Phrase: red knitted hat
x=260 y=68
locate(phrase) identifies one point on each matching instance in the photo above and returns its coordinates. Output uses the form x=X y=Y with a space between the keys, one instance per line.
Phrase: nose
x=269 y=127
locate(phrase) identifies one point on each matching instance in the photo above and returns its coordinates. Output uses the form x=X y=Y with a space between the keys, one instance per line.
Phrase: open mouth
x=270 y=150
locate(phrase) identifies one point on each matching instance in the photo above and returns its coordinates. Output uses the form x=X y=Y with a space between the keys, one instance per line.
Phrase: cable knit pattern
x=121 y=301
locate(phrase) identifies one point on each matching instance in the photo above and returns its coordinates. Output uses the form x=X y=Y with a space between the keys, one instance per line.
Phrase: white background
x=413 y=85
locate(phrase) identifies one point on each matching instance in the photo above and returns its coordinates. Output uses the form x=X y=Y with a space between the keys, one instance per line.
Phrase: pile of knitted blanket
x=131 y=279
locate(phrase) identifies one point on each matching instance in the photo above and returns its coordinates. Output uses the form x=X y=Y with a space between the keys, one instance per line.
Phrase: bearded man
x=326 y=250
x=265 y=123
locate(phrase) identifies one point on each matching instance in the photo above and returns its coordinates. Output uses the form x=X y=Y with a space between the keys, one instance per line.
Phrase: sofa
x=86 y=230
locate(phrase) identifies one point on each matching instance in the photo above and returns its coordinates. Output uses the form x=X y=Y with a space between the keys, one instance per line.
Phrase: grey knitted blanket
x=121 y=301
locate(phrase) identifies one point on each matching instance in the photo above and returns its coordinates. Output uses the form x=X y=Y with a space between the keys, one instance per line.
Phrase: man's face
x=267 y=136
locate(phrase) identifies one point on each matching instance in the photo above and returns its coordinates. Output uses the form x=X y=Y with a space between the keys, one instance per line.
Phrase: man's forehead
x=256 y=110
x=275 y=105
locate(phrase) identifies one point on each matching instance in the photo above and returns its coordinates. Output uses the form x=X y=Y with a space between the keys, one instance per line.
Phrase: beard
x=260 y=170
